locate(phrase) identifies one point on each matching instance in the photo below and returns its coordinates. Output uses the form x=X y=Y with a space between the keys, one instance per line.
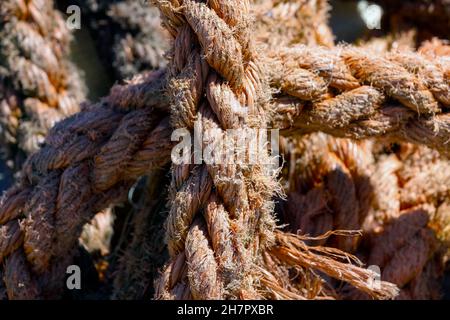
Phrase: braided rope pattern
x=88 y=162
x=356 y=93
x=404 y=202
x=407 y=226
x=329 y=188
x=212 y=54
x=38 y=85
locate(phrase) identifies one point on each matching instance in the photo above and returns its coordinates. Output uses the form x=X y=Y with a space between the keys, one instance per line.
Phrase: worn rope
x=404 y=200
x=356 y=93
x=282 y=23
x=329 y=188
x=212 y=255
x=87 y=162
x=407 y=227
x=114 y=142
x=429 y=17
x=38 y=84
x=204 y=250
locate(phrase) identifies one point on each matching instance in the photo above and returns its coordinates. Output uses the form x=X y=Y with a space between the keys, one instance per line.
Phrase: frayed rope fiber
x=220 y=228
x=38 y=84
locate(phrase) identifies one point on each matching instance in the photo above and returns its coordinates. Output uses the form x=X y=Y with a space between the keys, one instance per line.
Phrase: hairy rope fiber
x=129 y=39
x=212 y=255
x=147 y=251
x=199 y=271
x=282 y=23
x=411 y=206
x=135 y=95
x=87 y=162
x=405 y=208
x=144 y=254
x=355 y=93
x=38 y=84
x=62 y=139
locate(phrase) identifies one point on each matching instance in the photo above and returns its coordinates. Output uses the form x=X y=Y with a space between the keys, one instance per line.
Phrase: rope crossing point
x=220 y=220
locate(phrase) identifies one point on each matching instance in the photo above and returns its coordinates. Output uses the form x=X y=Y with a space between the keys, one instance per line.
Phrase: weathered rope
x=110 y=144
x=404 y=202
x=282 y=23
x=356 y=93
x=38 y=85
x=391 y=42
x=87 y=162
x=408 y=225
x=409 y=253
x=213 y=54
x=329 y=188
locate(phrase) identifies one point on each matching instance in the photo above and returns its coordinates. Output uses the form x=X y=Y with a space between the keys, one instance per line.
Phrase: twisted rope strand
x=42 y=217
x=368 y=95
x=219 y=33
x=38 y=85
x=208 y=202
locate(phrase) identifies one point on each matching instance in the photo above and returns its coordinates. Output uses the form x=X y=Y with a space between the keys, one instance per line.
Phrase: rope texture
x=357 y=93
x=87 y=162
x=211 y=256
x=220 y=226
x=38 y=84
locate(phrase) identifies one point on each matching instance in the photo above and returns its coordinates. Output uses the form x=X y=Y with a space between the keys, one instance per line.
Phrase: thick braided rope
x=407 y=227
x=406 y=248
x=88 y=162
x=282 y=23
x=213 y=54
x=329 y=188
x=355 y=93
x=405 y=204
x=38 y=85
